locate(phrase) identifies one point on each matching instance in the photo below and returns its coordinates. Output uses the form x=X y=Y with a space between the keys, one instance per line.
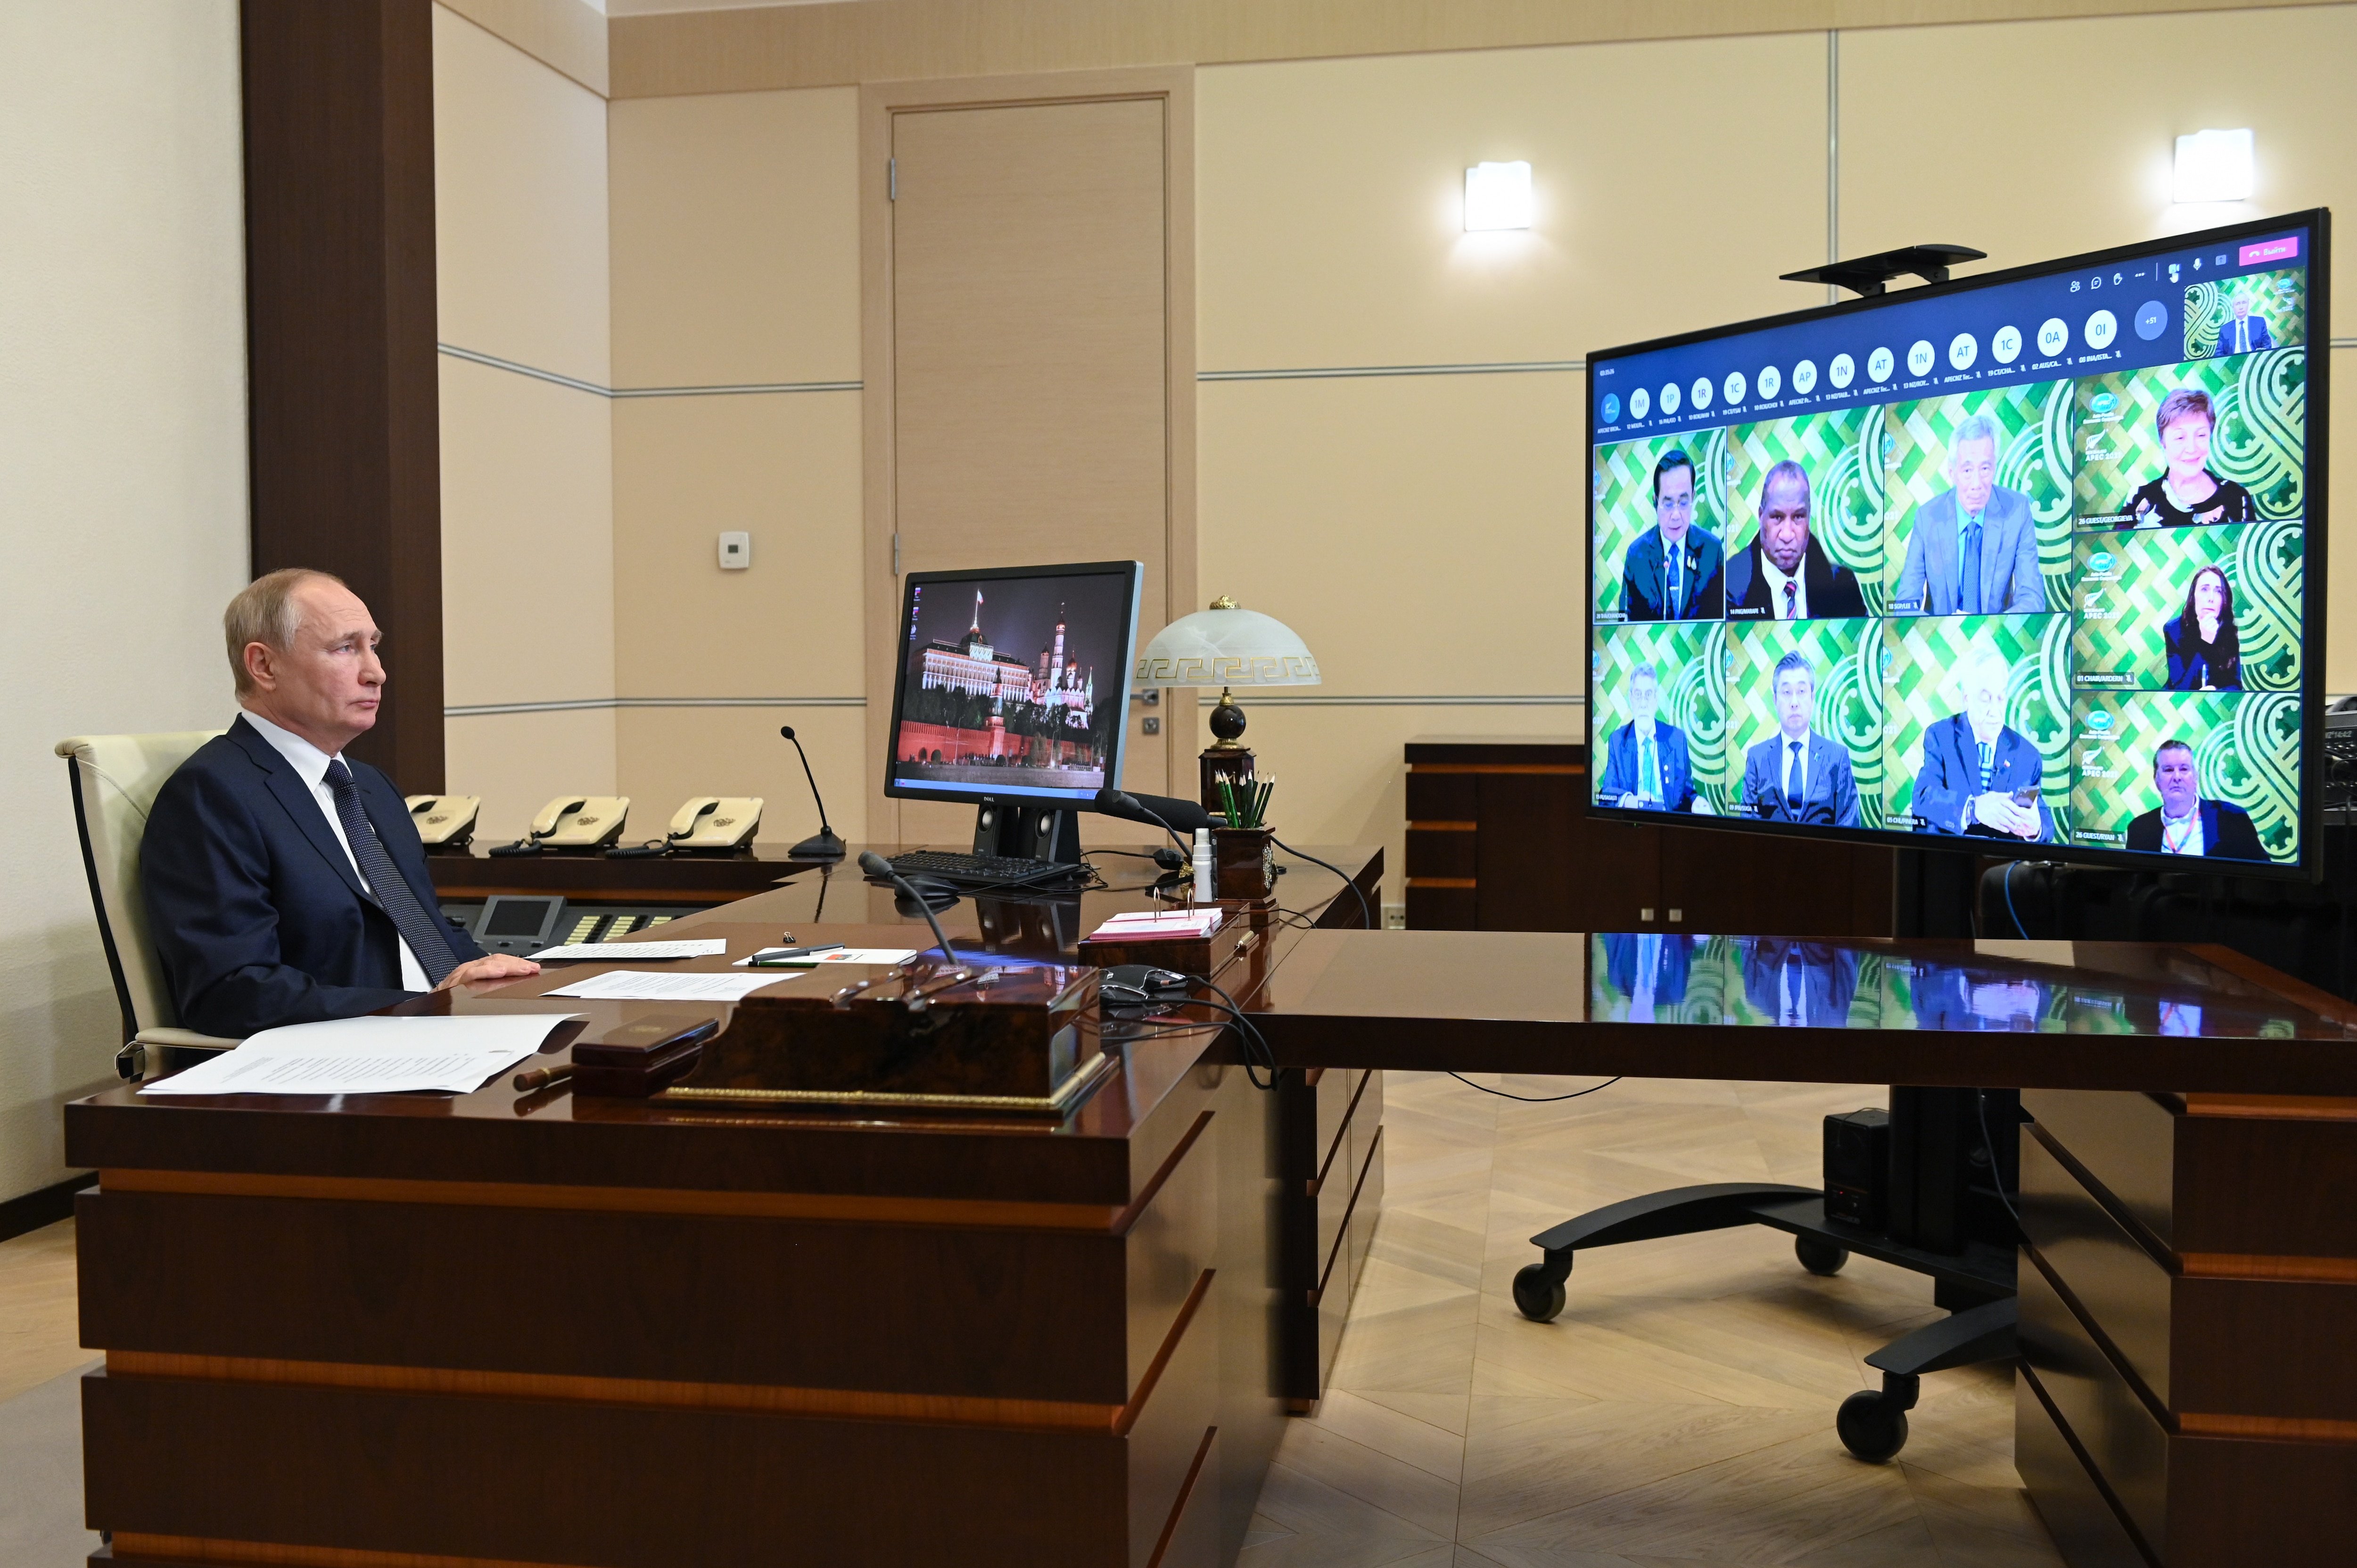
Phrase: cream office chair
x=114 y=778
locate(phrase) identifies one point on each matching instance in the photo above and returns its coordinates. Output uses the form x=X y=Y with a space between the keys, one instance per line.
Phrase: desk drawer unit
x=2188 y=1327
x=1330 y=1124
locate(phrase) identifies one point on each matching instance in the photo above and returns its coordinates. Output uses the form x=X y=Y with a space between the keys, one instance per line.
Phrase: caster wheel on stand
x=1536 y=1296
x=1819 y=1256
x=1872 y=1426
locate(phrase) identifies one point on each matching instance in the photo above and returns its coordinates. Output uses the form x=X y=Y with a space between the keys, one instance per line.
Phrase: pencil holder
x=1239 y=862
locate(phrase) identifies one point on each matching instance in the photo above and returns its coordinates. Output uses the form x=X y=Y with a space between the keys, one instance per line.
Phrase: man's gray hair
x=1648 y=672
x=1976 y=427
x=1985 y=657
x=265 y=611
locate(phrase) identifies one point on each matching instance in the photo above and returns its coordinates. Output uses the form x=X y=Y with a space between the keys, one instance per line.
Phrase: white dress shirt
x=1776 y=581
x=2182 y=838
x=310 y=765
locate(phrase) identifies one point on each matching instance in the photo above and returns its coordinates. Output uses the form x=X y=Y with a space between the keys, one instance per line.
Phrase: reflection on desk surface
x=2109 y=988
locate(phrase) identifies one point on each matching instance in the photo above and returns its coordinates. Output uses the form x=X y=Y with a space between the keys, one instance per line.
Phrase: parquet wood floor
x=1679 y=1413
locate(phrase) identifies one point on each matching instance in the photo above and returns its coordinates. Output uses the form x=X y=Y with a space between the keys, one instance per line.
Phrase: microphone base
x=935 y=897
x=824 y=845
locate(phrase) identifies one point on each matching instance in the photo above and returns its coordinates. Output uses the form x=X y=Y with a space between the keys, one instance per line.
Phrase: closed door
x=1030 y=290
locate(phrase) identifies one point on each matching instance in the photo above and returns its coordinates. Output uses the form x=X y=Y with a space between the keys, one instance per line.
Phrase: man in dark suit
x=1646 y=766
x=1650 y=970
x=2245 y=332
x=1801 y=985
x=283 y=883
x=1795 y=774
x=2184 y=823
x=1783 y=574
x=1673 y=571
x=1974 y=763
x=1973 y=547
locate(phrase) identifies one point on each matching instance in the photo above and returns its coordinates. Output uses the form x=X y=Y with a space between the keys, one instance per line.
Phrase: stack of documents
x=1145 y=925
x=686 y=946
x=370 y=1055
x=648 y=985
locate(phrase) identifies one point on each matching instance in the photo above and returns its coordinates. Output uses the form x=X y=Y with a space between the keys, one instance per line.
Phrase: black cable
x=1536 y=1098
x=1366 y=910
x=1989 y=1145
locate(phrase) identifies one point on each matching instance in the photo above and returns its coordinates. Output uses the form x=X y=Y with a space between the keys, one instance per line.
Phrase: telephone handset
x=445 y=821
x=704 y=822
x=573 y=821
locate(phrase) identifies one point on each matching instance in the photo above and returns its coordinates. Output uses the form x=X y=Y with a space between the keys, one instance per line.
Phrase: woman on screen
x=2205 y=652
x=2189 y=493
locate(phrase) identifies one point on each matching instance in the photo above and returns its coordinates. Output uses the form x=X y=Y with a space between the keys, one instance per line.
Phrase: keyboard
x=980 y=870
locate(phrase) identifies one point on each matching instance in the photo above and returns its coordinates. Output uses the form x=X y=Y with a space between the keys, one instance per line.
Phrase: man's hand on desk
x=483 y=971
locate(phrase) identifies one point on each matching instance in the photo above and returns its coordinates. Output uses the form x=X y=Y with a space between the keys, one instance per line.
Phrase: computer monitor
x=1014 y=689
x=2030 y=563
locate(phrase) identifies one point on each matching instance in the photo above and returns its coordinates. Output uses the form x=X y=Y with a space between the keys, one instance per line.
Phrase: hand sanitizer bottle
x=1203 y=890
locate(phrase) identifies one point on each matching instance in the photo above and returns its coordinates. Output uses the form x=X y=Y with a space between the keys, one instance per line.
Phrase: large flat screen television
x=2028 y=564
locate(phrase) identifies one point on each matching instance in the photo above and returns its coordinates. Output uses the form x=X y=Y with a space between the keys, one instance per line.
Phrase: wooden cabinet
x=1500 y=839
x=1331 y=1159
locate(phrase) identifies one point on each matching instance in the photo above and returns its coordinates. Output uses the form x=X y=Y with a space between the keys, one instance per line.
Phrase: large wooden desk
x=402 y=1330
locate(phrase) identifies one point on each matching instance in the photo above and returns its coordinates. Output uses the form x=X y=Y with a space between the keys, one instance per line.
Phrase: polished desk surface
x=2149 y=1016
x=496 y=1135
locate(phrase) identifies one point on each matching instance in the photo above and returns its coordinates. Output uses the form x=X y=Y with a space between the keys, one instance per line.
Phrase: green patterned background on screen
x=1919 y=660
x=2033 y=458
x=2156 y=566
x=1678 y=651
x=2259 y=440
x=1849 y=702
x=2245 y=752
x=1845 y=492
x=1625 y=499
x=2280 y=297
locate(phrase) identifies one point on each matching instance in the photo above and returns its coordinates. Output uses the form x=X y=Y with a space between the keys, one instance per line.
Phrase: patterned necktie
x=1988 y=764
x=1677 y=583
x=1791 y=593
x=421 y=931
x=1796 y=771
x=1648 y=772
x=1970 y=569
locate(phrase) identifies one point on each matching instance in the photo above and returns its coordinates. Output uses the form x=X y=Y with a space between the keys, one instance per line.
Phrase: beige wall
x=521 y=186
x=122 y=441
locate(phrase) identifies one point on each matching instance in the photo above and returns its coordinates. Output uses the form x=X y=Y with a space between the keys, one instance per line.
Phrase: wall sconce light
x=2215 y=166
x=1498 y=196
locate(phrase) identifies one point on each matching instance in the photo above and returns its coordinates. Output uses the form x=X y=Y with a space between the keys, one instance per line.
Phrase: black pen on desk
x=777 y=958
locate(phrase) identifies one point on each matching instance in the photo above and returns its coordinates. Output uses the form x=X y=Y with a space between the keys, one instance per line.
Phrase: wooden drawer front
x=2128 y=1446
x=1170 y=1433
x=2119 y=1285
x=1442 y=797
x=1433 y=908
x=594 y=1485
x=1041 y=1315
x=2086 y=1528
x=1358 y=1233
x=2264 y=1186
x=2128 y=1142
x=2264 y=1354
x=1441 y=852
x=2236 y=1503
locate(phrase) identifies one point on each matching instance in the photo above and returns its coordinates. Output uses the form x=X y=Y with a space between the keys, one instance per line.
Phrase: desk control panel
x=576 y=922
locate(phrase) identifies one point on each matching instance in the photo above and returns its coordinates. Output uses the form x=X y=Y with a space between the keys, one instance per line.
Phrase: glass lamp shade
x=1227 y=646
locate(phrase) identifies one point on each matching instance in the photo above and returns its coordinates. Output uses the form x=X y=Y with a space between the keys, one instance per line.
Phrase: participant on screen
x=1795 y=774
x=2205 y=652
x=2245 y=332
x=1647 y=767
x=2184 y=823
x=1649 y=969
x=1801 y=985
x=1783 y=574
x=1980 y=775
x=1974 y=550
x=2187 y=493
x=1673 y=571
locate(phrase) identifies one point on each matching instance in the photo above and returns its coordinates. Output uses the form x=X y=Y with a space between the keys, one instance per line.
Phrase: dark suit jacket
x=1930 y=581
x=2190 y=665
x=1833 y=589
x=2260 y=336
x=1824 y=980
x=1951 y=776
x=1673 y=961
x=1831 y=794
x=255 y=911
x=2227 y=833
x=1621 y=767
x=1645 y=586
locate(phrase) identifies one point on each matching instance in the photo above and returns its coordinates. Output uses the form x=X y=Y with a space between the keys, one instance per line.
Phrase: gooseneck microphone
x=824 y=845
x=1160 y=811
x=875 y=865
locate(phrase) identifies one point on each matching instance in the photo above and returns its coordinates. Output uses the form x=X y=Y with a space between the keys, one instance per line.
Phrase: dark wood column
x=340 y=331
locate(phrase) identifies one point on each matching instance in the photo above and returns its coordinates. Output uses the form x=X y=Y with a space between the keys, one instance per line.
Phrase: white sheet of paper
x=645 y=985
x=887 y=957
x=697 y=946
x=374 y=1055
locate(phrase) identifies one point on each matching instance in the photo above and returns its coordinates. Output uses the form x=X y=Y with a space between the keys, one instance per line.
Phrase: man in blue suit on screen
x=1673 y=571
x=285 y=884
x=1975 y=547
x=1796 y=775
x=2245 y=331
x=1976 y=769
x=1646 y=768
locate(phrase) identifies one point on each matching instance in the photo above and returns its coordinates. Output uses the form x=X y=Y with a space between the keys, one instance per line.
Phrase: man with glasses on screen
x=1646 y=764
x=1975 y=547
x=2185 y=823
x=1796 y=775
x=1980 y=775
x=1673 y=571
x=1783 y=574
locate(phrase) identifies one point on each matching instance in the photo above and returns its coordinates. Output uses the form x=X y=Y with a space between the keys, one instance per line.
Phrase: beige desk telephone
x=445 y=821
x=706 y=822
x=573 y=821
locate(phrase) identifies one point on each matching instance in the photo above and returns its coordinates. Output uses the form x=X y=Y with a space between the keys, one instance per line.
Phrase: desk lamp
x=1226 y=646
